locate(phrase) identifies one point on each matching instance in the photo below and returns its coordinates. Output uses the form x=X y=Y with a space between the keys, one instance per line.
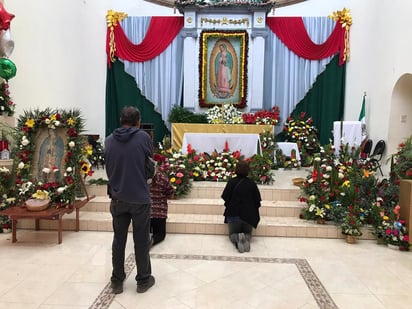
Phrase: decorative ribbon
x=345 y=19
x=113 y=18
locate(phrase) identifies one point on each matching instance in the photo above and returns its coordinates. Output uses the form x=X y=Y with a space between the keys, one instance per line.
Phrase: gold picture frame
x=223 y=66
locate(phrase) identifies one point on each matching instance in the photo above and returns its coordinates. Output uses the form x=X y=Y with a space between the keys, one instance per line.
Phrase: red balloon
x=5 y=18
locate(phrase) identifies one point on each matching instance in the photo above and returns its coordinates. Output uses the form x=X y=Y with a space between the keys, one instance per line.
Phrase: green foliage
x=179 y=114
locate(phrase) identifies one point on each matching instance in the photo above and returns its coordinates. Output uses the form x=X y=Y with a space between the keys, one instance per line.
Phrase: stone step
x=207 y=206
x=213 y=190
x=204 y=224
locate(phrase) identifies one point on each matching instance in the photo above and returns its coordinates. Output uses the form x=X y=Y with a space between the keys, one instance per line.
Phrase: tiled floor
x=204 y=271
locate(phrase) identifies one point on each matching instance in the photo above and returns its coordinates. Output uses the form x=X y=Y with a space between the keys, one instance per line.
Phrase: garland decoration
x=59 y=181
x=113 y=18
x=345 y=19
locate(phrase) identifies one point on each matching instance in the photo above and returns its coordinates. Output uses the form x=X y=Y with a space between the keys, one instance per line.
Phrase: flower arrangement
x=5 y=200
x=263 y=117
x=260 y=169
x=302 y=131
x=175 y=168
x=267 y=141
x=7 y=106
x=401 y=162
x=221 y=166
x=226 y=113
x=61 y=185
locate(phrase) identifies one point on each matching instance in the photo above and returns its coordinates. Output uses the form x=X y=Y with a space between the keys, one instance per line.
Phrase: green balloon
x=7 y=69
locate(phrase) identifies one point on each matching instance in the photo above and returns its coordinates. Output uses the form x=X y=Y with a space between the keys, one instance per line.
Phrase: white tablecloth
x=247 y=144
x=347 y=132
x=287 y=149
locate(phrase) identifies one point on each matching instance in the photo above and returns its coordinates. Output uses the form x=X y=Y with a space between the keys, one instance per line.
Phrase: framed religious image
x=223 y=66
x=49 y=154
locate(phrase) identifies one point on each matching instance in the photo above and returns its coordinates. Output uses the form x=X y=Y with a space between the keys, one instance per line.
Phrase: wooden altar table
x=179 y=129
x=21 y=212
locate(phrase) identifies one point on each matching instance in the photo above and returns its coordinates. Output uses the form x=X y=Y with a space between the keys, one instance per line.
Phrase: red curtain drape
x=292 y=32
x=161 y=32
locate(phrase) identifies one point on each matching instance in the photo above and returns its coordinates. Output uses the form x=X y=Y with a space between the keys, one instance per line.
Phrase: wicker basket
x=298 y=181
x=37 y=205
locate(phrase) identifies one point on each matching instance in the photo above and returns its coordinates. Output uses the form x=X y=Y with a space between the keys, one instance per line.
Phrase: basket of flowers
x=39 y=202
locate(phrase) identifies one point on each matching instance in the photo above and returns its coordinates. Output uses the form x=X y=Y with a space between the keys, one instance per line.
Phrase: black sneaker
x=143 y=287
x=117 y=287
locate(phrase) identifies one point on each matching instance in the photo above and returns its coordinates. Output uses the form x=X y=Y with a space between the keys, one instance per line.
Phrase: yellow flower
x=346 y=184
x=30 y=123
x=89 y=150
x=327 y=206
x=386 y=218
x=85 y=168
x=53 y=117
x=70 y=121
x=172 y=179
x=41 y=195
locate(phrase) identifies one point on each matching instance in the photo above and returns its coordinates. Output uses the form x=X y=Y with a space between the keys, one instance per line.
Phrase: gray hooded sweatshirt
x=125 y=152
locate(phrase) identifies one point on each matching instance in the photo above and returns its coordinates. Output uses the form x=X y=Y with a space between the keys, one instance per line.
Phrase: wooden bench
x=21 y=212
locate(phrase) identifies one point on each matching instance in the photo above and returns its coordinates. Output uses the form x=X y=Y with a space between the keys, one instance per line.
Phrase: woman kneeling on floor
x=242 y=202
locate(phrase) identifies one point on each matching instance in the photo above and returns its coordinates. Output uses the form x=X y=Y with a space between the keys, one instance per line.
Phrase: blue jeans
x=139 y=215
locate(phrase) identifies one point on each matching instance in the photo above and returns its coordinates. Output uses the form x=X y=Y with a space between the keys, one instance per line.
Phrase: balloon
x=397 y=225
x=7 y=69
x=5 y=18
x=6 y=43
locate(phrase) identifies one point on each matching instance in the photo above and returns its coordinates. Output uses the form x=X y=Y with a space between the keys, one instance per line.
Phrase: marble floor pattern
x=204 y=271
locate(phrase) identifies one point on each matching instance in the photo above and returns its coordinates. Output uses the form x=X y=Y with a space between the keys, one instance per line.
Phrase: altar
x=179 y=129
x=247 y=143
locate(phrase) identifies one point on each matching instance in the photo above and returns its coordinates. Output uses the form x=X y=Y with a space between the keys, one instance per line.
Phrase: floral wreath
x=61 y=190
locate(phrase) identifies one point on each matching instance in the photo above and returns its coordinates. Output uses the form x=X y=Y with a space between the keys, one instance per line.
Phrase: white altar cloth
x=347 y=132
x=247 y=144
x=287 y=149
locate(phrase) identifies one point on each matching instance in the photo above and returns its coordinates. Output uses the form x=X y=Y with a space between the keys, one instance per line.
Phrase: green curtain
x=325 y=100
x=121 y=90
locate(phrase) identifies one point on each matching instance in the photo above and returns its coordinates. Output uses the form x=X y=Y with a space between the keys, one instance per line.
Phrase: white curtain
x=160 y=80
x=289 y=77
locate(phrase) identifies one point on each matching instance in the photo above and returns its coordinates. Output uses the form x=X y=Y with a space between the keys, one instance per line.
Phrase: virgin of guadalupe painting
x=223 y=78
x=223 y=68
x=49 y=154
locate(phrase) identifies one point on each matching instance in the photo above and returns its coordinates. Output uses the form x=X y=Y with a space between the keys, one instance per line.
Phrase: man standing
x=125 y=152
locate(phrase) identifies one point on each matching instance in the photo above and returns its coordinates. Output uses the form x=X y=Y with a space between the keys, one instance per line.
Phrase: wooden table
x=21 y=212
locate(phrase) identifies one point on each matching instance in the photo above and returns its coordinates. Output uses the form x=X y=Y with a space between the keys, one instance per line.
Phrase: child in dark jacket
x=160 y=190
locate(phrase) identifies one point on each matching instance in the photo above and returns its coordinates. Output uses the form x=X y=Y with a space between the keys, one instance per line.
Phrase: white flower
x=20 y=166
x=72 y=144
x=328 y=168
x=310 y=180
x=340 y=175
x=46 y=170
x=57 y=123
x=61 y=189
x=24 y=141
x=47 y=121
x=69 y=169
x=316 y=159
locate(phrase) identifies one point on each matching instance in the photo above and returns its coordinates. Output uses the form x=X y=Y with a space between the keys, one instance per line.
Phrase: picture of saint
x=49 y=154
x=223 y=69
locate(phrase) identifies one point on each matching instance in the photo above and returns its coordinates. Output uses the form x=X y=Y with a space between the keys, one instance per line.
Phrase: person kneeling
x=242 y=201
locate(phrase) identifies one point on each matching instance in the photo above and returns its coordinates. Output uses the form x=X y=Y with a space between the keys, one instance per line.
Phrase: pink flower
x=406 y=238
x=179 y=174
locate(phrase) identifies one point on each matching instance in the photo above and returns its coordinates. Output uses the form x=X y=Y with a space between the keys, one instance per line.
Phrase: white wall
x=61 y=62
x=60 y=53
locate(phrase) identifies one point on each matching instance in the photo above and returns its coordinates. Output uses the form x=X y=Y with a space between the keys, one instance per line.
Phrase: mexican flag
x=362 y=114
